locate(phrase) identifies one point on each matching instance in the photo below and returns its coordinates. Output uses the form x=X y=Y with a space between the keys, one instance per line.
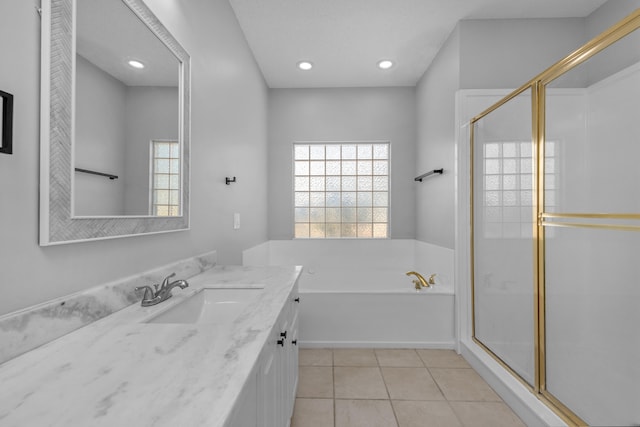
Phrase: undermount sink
x=210 y=305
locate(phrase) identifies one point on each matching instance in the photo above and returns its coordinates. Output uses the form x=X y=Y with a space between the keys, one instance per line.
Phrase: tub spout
x=421 y=282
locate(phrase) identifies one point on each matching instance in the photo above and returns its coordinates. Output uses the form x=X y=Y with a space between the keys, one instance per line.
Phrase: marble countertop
x=120 y=371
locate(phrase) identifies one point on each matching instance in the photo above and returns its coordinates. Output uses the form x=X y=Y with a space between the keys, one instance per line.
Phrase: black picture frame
x=6 y=131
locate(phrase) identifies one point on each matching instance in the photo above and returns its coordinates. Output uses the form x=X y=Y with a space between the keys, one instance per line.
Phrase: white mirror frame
x=57 y=225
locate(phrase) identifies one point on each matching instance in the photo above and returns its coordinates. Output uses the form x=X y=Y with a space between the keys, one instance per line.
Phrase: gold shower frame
x=537 y=87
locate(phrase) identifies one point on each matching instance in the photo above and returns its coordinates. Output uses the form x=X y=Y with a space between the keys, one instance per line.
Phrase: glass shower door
x=503 y=248
x=556 y=231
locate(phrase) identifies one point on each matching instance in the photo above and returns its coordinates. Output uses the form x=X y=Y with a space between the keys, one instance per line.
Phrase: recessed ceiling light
x=135 y=64
x=305 y=65
x=385 y=64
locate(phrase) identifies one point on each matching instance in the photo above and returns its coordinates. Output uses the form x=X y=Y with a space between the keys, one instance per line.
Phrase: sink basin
x=209 y=305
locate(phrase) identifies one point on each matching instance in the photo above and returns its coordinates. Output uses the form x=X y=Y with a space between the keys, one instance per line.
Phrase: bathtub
x=355 y=293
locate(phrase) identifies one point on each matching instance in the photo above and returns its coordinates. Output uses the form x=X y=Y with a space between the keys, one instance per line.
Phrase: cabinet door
x=278 y=372
x=267 y=398
x=292 y=358
x=245 y=412
x=283 y=371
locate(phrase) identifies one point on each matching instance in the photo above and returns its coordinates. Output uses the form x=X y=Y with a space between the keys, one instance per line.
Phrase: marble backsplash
x=34 y=326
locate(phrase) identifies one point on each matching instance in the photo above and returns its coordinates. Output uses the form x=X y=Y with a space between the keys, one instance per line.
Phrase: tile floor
x=394 y=388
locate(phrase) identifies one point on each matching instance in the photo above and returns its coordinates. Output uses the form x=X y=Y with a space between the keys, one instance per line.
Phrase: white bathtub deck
x=355 y=293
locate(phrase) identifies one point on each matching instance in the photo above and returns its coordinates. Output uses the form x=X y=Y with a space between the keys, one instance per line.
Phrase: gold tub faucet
x=422 y=282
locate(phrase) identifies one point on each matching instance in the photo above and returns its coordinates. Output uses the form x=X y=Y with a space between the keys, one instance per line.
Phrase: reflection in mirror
x=101 y=115
x=127 y=99
x=165 y=178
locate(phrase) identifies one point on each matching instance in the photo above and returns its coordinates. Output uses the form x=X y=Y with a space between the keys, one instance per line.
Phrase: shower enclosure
x=555 y=231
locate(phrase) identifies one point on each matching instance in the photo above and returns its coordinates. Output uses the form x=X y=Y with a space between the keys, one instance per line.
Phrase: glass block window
x=508 y=187
x=165 y=178
x=341 y=190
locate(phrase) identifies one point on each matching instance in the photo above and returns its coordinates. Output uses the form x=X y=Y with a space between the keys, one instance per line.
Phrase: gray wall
x=229 y=100
x=479 y=54
x=355 y=114
x=623 y=53
x=495 y=54
x=435 y=196
x=506 y=53
x=229 y=138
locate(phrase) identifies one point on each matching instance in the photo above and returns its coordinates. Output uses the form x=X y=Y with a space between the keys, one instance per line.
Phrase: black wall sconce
x=6 y=123
x=228 y=180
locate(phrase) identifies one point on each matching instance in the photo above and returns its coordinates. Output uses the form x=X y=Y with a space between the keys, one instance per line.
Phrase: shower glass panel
x=592 y=318
x=591 y=234
x=592 y=130
x=503 y=196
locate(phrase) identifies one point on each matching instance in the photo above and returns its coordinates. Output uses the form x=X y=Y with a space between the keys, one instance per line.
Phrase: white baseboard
x=448 y=345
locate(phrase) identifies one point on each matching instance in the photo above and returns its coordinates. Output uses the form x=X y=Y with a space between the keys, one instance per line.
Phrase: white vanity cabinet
x=268 y=395
x=245 y=411
x=289 y=358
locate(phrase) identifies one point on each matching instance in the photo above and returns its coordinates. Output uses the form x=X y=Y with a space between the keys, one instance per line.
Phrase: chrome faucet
x=422 y=282
x=159 y=293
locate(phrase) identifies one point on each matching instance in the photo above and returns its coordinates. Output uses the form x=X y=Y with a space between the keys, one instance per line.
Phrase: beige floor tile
x=313 y=413
x=425 y=414
x=442 y=359
x=364 y=413
x=486 y=414
x=399 y=358
x=359 y=383
x=463 y=384
x=315 y=357
x=354 y=357
x=393 y=388
x=411 y=384
x=315 y=381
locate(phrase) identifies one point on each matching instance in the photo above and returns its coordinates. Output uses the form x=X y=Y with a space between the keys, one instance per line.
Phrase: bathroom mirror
x=114 y=138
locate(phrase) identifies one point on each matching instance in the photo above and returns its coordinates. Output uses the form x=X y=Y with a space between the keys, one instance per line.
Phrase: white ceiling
x=346 y=38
